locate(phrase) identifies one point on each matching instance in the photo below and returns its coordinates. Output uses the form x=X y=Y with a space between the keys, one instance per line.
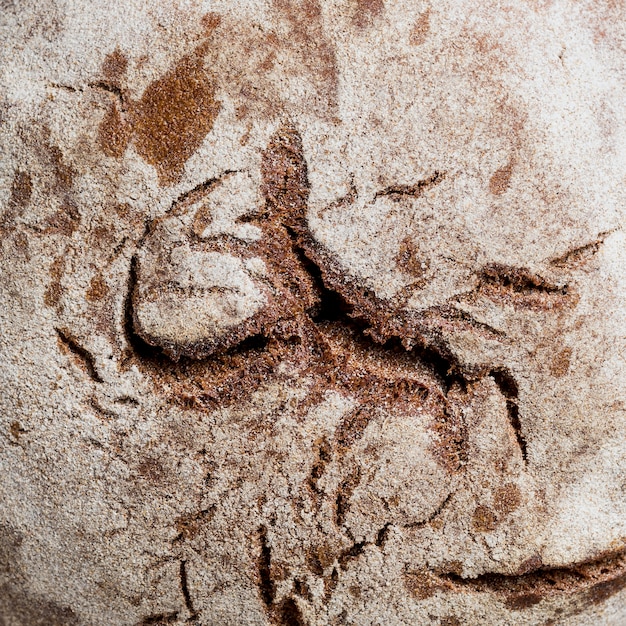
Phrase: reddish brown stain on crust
x=172 y=117
x=603 y=590
x=114 y=67
x=114 y=132
x=586 y=583
x=419 y=32
x=366 y=10
x=424 y=584
x=52 y=296
x=560 y=363
x=449 y=451
x=484 y=519
x=98 y=289
x=63 y=173
x=151 y=469
x=507 y=499
x=500 y=180
x=410 y=260
x=522 y=289
x=188 y=526
x=65 y=221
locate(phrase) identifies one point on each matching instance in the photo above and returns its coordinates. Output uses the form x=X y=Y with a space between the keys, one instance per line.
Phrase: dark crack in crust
x=591 y=582
x=346 y=338
x=335 y=330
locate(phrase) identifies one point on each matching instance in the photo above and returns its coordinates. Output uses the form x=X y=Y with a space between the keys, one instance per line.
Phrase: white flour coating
x=313 y=313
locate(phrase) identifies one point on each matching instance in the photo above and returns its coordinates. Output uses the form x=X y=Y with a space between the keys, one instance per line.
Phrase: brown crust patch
x=559 y=366
x=188 y=526
x=21 y=190
x=500 y=180
x=424 y=584
x=410 y=260
x=419 y=32
x=114 y=132
x=52 y=295
x=114 y=67
x=365 y=11
x=170 y=120
x=507 y=499
x=174 y=115
x=65 y=221
x=484 y=520
x=98 y=289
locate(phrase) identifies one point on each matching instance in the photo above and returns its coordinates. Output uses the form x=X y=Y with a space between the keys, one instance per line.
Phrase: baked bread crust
x=313 y=313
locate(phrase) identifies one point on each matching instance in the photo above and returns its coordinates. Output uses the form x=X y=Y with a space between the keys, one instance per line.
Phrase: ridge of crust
x=595 y=580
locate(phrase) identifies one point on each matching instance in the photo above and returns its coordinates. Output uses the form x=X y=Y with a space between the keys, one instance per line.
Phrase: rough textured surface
x=313 y=312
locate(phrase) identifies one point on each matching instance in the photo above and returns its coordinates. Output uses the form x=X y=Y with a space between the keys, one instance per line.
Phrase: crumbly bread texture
x=313 y=313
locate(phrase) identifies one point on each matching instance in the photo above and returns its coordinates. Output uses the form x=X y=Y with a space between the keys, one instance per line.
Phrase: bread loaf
x=313 y=313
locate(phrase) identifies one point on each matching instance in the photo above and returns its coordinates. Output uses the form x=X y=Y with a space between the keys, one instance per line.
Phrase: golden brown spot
x=64 y=174
x=354 y=591
x=410 y=260
x=52 y=296
x=98 y=289
x=506 y=499
x=500 y=180
x=210 y=22
x=172 y=118
x=114 y=67
x=484 y=519
x=419 y=32
x=114 y=132
x=561 y=362
x=174 y=115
